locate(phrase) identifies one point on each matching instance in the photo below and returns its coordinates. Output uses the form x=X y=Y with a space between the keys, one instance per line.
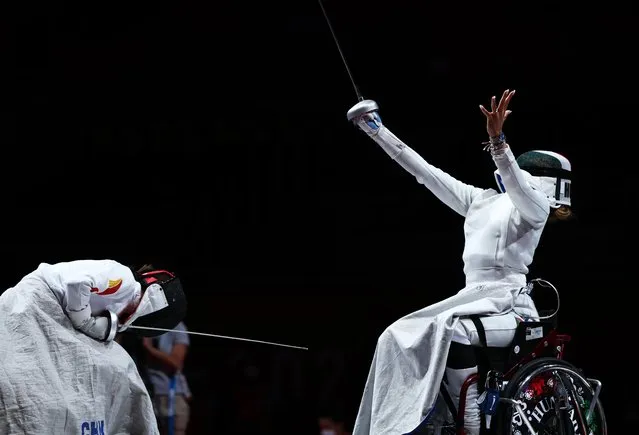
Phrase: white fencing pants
x=500 y=331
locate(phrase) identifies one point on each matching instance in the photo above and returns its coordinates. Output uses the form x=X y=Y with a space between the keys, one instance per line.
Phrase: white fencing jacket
x=95 y=285
x=502 y=231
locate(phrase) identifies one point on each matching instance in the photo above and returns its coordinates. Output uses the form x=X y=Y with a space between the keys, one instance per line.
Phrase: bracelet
x=496 y=144
x=499 y=139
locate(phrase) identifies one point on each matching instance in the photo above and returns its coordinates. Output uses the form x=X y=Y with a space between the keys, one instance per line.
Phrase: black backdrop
x=212 y=139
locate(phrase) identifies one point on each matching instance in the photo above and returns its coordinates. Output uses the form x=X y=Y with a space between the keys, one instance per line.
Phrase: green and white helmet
x=551 y=172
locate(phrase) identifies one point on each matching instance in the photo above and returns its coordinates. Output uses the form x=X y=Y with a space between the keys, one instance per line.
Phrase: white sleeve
x=82 y=279
x=452 y=192
x=79 y=310
x=531 y=203
x=105 y=278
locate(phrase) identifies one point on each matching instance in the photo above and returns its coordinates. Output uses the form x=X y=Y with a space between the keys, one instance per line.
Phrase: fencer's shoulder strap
x=476 y=319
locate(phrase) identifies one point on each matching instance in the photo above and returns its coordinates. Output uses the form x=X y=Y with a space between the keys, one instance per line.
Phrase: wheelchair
x=527 y=388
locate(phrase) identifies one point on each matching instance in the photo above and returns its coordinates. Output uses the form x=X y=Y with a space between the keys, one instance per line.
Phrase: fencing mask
x=551 y=173
x=163 y=303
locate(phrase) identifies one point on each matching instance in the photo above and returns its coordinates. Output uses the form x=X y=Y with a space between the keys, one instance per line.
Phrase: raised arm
x=531 y=203
x=174 y=361
x=452 y=192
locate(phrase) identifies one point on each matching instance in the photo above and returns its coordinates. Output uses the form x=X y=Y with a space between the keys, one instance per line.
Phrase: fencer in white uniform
x=60 y=370
x=502 y=230
x=87 y=289
x=102 y=297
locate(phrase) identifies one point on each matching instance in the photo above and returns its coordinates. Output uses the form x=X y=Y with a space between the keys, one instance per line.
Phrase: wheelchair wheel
x=555 y=399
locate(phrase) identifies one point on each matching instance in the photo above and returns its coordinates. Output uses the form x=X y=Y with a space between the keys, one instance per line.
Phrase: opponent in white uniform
x=61 y=372
x=103 y=296
x=502 y=229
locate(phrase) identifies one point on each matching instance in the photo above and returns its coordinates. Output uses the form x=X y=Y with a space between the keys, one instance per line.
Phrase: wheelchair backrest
x=527 y=337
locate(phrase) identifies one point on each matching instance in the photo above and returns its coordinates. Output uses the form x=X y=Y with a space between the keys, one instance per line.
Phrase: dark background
x=211 y=139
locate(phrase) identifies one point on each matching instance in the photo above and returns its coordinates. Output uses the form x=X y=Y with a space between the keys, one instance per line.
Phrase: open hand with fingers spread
x=498 y=114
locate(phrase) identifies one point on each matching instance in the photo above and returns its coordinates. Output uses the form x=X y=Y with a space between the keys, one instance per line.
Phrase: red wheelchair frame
x=513 y=381
x=553 y=344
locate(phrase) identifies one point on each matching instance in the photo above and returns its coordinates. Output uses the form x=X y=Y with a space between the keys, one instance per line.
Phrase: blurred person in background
x=331 y=378
x=331 y=426
x=251 y=410
x=165 y=356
